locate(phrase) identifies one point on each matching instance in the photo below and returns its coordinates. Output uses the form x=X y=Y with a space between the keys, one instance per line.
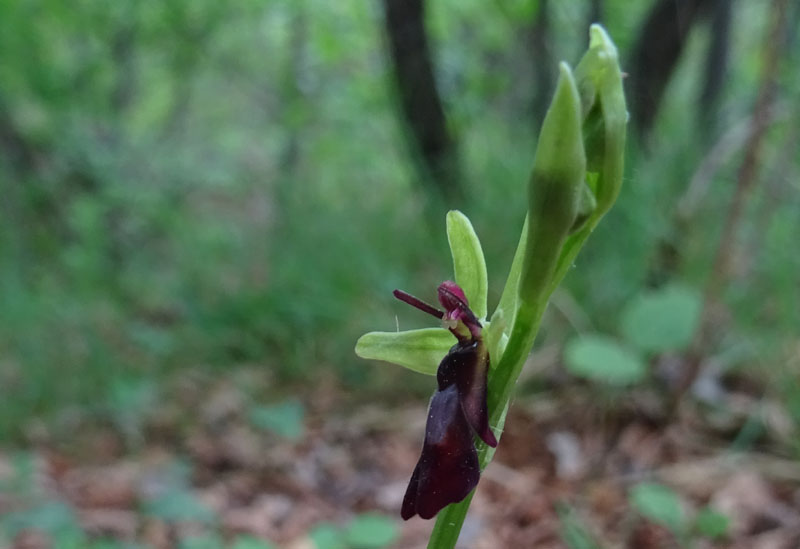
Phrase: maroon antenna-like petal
x=418 y=303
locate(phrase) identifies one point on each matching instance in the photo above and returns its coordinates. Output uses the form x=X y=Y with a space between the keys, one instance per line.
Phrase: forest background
x=204 y=204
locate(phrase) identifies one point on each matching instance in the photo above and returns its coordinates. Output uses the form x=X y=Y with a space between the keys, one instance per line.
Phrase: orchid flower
x=448 y=468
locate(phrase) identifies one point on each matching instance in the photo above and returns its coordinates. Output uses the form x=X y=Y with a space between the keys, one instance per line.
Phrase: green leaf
x=327 y=536
x=107 y=543
x=371 y=531
x=284 y=419
x=711 y=523
x=469 y=265
x=573 y=532
x=662 y=320
x=601 y=358
x=179 y=506
x=208 y=541
x=249 y=542
x=111 y=544
x=54 y=517
x=659 y=504
x=418 y=350
x=71 y=539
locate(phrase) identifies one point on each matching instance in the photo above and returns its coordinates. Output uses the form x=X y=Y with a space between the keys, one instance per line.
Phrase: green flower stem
x=556 y=177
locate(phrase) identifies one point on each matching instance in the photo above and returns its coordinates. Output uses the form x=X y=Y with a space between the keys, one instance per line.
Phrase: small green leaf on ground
x=601 y=358
x=711 y=523
x=179 y=506
x=55 y=518
x=662 y=320
x=284 y=419
x=659 y=504
x=371 y=531
x=249 y=542
x=327 y=536
x=208 y=541
x=573 y=532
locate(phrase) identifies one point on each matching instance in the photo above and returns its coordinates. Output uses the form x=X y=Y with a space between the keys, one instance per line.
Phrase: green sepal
x=418 y=350
x=469 y=265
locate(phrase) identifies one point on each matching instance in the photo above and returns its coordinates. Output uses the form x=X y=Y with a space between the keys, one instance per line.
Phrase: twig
x=719 y=468
x=745 y=181
x=728 y=144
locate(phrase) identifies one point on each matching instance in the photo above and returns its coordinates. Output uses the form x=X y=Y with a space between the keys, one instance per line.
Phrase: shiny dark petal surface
x=466 y=366
x=448 y=468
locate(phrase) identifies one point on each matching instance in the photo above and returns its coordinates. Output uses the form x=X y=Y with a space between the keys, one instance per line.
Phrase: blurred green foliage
x=285 y=418
x=662 y=505
x=653 y=322
x=574 y=532
x=604 y=359
x=366 y=531
x=203 y=185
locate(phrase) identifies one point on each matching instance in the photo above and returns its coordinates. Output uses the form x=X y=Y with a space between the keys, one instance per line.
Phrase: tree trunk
x=716 y=62
x=539 y=43
x=596 y=11
x=658 y=48
x=433 y=147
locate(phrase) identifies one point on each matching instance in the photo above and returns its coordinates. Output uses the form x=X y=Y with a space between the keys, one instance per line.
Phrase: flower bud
x=604 y=114
x=559 y=169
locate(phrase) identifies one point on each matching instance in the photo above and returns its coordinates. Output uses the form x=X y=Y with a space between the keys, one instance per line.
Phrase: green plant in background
x=661 y=505
x=284 y=419
x=573 y=532
x=576 y=177
x=653 y=322
x=367 y=531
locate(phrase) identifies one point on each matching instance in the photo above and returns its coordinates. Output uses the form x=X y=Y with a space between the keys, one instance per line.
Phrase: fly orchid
x=448 y=469
x=576 y=177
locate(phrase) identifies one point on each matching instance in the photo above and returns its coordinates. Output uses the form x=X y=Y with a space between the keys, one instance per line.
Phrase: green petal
x=418 y=350
x=468 y=262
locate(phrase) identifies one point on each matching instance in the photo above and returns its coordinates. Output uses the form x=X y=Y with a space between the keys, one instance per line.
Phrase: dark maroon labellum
x=448 y=469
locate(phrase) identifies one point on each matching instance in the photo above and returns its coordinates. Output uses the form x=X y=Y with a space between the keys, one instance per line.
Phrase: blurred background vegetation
x=205 y=186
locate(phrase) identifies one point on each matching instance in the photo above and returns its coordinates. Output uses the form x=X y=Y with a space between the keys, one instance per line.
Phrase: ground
x=568 y=466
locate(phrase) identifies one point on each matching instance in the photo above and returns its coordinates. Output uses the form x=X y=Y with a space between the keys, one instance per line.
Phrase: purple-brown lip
x=448 y=468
